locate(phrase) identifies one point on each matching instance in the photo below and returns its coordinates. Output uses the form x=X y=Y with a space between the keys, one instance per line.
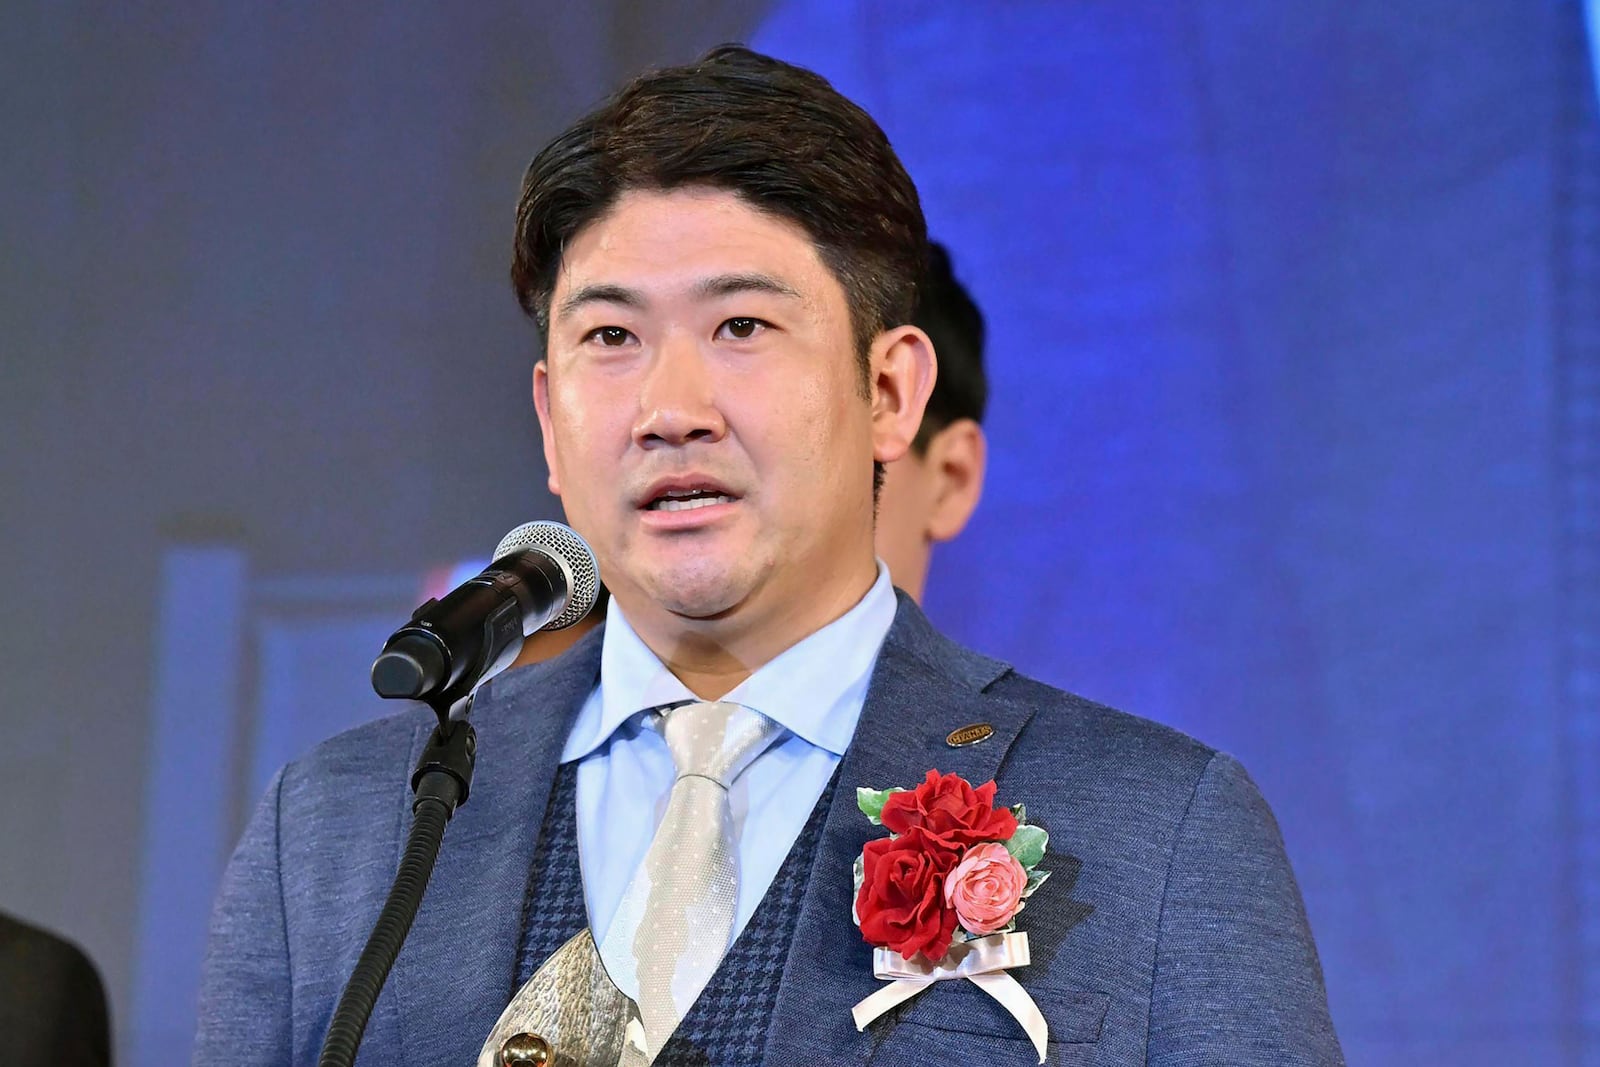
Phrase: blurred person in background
x=52 y=1006
x=930 y=492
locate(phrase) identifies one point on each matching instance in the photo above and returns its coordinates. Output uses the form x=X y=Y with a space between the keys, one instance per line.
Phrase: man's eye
x=741 y=329
x=611 y=336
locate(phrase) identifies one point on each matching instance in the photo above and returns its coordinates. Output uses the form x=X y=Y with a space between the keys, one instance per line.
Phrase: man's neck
x=712 y=657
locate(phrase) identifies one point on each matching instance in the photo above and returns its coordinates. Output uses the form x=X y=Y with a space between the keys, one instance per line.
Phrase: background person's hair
x=950 y=317
x=779 y=136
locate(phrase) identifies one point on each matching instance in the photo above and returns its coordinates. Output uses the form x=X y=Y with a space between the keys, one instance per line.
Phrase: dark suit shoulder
x=1070 y=747
x=376 y=751
x=1117 y=787
x=338 y=811
x=359 y=742
x=1170 y=893
x=501 y=706
x=1105 y=730
x=342 y=809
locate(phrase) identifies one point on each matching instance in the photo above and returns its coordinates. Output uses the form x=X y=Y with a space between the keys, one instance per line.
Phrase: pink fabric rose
x=985 y=888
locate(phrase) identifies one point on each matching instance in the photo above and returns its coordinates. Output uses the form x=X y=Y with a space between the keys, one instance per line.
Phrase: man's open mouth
x=687 y=500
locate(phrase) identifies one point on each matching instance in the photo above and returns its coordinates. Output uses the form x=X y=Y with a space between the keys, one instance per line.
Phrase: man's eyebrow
x=600 y=294
x=730 y=284
x=709 y=288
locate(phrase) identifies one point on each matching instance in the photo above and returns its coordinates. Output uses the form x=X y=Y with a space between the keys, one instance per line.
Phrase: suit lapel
x=923 y=687
x=456 y=972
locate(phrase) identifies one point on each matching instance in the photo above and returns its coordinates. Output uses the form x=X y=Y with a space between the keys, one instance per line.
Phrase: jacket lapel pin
x=970 y=734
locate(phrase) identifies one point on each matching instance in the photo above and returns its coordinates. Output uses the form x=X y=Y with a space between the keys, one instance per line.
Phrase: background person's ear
x=956 y=459
x=903 y=371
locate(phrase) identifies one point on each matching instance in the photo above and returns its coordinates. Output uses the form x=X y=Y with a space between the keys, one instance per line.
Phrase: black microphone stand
x=441 y=781
x=485 y=615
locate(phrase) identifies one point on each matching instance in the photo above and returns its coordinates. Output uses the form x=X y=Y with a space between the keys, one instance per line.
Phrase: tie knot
x=716 y=740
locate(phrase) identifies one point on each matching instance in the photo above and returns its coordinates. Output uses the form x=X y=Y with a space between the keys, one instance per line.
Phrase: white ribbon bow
x=983 y=962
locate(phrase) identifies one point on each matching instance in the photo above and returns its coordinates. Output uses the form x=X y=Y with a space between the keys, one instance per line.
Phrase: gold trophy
x=569 y=1014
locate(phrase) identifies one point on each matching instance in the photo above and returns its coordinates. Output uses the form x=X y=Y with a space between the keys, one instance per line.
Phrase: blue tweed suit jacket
x=1171 y=933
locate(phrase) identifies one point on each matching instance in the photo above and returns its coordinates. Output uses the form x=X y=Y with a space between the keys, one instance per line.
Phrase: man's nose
x=677 y=401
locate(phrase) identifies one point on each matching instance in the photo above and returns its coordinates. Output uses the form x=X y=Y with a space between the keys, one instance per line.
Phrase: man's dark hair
x=947 y=313
x=777 y=135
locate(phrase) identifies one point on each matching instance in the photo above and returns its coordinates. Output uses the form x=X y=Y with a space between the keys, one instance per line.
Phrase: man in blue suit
x=721 y=261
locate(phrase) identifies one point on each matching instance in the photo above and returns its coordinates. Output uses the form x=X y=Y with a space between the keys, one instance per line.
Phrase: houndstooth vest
x=727 y=1026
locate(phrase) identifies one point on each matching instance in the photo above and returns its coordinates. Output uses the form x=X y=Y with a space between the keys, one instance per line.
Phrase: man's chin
x=700 y=607
x=701 y=596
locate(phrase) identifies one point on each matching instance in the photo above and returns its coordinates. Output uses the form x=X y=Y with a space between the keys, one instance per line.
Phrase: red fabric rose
x=952 y=813
x=901 y=903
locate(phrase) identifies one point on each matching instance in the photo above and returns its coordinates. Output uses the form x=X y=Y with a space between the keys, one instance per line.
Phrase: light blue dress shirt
x=815 y=690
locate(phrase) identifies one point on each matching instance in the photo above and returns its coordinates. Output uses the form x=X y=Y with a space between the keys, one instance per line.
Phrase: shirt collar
x=815 y=688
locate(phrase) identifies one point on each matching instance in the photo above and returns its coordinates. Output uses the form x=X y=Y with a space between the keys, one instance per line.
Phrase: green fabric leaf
x=860 y=873
x=1021 y=812
x=963 y=934
x=871 y=802
x=1035 y=880
x=1027 y=845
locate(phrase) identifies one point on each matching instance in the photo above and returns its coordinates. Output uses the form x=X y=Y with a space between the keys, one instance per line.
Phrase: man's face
x=704 y=415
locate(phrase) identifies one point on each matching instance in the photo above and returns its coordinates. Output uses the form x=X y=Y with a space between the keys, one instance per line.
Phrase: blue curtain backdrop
x=1295 y=347
x=1284 y=357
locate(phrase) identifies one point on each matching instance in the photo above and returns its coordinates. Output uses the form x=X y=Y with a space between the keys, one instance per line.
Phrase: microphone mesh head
x=571 y=553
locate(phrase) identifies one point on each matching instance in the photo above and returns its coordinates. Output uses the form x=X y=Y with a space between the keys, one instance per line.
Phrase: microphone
x=544 y=577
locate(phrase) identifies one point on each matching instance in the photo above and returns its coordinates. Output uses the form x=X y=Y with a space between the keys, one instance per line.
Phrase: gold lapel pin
x=969 y=735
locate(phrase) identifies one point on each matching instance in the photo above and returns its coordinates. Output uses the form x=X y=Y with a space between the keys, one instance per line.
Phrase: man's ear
x=541 y=405
x=956 y=458
x=903 y=369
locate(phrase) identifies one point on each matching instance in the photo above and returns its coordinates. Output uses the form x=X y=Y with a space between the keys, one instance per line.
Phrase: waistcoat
x=727 y=1025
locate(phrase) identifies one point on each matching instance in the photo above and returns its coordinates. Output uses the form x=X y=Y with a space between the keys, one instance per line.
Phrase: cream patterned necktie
x=676 y=916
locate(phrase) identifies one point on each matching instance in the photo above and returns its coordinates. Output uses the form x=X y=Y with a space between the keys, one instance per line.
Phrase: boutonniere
x=938 y=898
